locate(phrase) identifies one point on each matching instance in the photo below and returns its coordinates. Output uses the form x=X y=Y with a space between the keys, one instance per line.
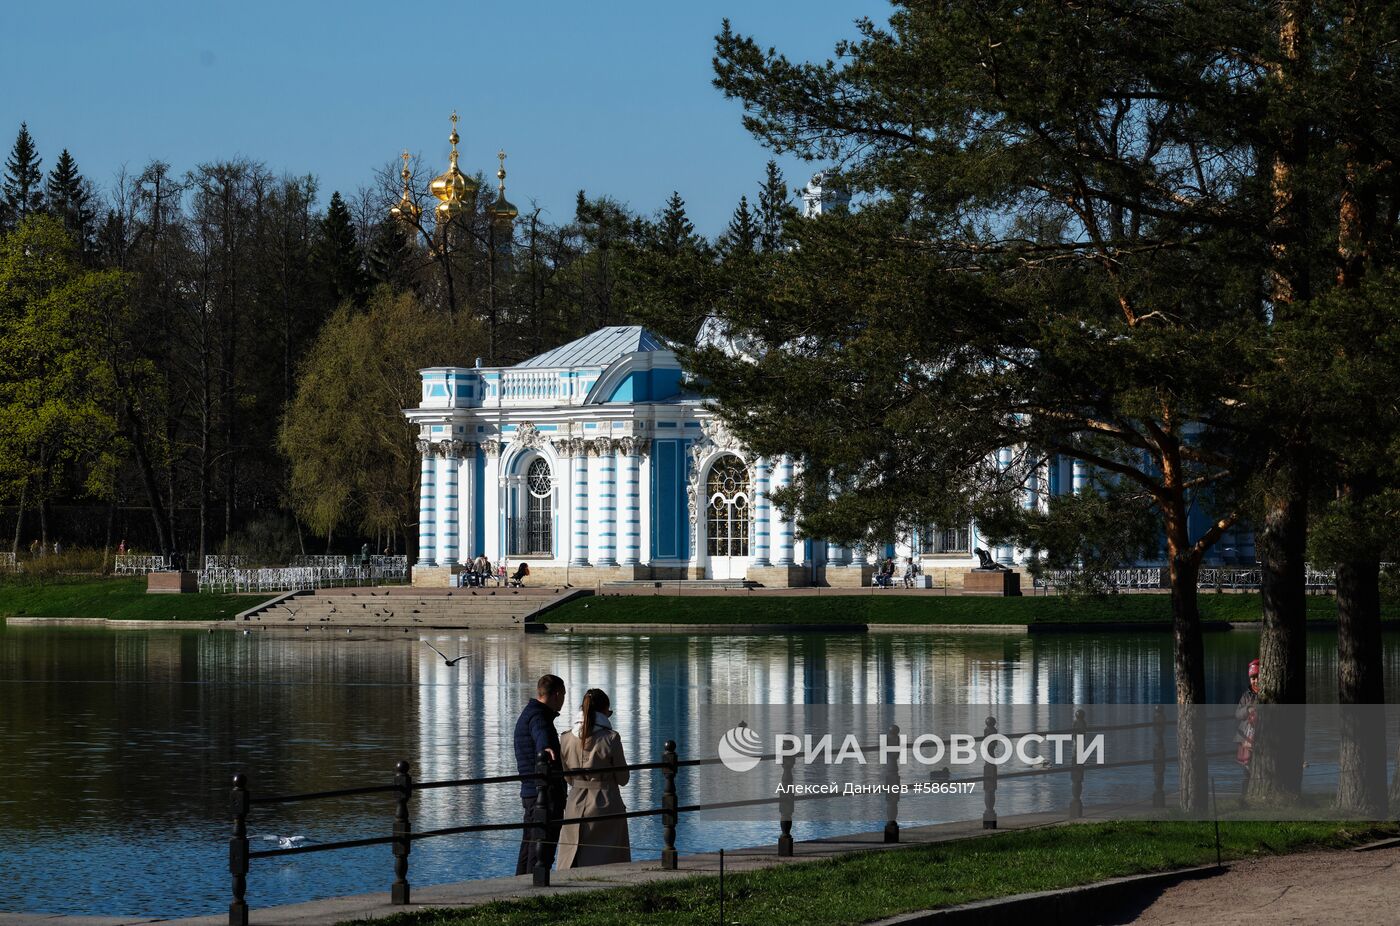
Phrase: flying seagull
x=450 y=662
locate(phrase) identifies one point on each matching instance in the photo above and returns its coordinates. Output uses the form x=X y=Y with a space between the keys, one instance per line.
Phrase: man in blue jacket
x=535 y=734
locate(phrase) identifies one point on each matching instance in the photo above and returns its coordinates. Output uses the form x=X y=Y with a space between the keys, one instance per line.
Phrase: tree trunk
x=1276 y=772
x=107 y=540
x=19 y=518
x=1190 y=682
x=1188 y=647
x=1360 y=690
x=148 y=481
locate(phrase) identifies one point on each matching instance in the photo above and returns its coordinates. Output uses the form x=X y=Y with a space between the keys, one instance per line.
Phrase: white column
x=834 y=553
x=762 y=513
x=494 y=495
x=1081 y=476
x=1005 y=554
x=579 y=506
x=785 y=532
x=630 y=524
x=448 y=503
x=466 y=506
x=427 y=527
x=606 y=449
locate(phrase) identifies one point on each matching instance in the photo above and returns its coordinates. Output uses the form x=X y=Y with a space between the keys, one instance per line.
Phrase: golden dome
x=449 y=209
x=452 y=186
x=502 y=210
x=406 y=209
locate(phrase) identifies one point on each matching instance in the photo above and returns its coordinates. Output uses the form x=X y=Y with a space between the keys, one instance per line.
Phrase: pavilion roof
x=598 y=349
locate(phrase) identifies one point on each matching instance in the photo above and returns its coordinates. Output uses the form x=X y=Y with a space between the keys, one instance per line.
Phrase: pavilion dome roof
x=598 y=349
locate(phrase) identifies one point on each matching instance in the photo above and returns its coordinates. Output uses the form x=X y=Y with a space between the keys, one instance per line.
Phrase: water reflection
x=116 y=748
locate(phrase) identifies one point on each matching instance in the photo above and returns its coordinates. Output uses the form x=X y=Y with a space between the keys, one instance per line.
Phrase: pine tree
x=774 y=210
x=68 y=198
x=336 y=258
x=674 y=231
x=390 y=257
x=23 y=192
x=1049 y=265
x=742 y=235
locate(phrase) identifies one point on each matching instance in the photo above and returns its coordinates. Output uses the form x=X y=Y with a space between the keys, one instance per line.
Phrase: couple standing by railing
x=590 y=744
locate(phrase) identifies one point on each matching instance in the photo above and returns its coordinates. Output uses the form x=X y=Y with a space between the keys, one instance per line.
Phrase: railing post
x=891 y=782
x=402 y=844
x=989 y=781
x=1076 y=770
x=238 y=851
x=669 y=857
x=1159 y=758
x=785 y=808
x=539 y=816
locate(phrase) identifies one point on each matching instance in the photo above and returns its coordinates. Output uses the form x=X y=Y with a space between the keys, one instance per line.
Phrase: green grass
x=881 y=608
x=114 y=599
x=871 y=885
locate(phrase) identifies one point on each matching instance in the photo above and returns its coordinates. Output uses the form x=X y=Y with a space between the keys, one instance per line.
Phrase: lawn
x=866 y=886
x=880 y=608
x=115 y=599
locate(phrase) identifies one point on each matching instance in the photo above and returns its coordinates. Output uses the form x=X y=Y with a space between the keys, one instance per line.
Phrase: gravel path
x=1355 y=888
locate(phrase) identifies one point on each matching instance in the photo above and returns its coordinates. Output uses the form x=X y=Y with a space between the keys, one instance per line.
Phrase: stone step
x=688 y=584
x=341 y=608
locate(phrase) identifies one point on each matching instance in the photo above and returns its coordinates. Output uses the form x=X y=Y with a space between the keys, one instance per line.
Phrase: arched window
x=727 y=515
x=539 y=509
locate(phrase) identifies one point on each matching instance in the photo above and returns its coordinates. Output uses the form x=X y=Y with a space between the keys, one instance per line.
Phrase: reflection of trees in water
x=149 y=726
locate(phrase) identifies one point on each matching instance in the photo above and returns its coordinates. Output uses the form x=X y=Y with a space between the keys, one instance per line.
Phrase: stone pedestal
x=1002 y=583
x=171 y=583
x=848 y=576
x=780 y=576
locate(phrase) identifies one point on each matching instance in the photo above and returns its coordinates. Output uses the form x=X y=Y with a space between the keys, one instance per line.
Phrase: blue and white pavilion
x=591 y=463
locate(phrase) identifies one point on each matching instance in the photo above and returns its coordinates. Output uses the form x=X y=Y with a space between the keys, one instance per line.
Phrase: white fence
x=1138 y=577
x=211 y=561
x=393 y=567
x=138 y=564
x=1212 y=577
x=301 y=578
x=320 y=561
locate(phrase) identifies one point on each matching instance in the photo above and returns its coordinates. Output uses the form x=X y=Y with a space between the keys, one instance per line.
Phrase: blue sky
x=612 y=97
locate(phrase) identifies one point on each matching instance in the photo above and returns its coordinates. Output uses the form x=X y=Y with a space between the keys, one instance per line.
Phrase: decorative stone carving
x=717 y=433
x=449 y=448
x=634 y=446
x=600 y=446
x=492 y=448
x=527 y=435
x=424 y=447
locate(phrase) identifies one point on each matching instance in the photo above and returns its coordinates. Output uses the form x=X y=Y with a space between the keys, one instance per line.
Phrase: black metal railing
x=670 y=809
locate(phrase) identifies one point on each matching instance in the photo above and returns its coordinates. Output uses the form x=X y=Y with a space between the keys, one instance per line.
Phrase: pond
x=117 y=746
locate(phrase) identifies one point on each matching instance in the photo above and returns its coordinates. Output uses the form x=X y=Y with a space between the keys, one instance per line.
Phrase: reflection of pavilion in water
x=660 y=685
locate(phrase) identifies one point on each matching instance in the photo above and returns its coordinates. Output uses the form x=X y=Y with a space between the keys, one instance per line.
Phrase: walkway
x=1315 y=887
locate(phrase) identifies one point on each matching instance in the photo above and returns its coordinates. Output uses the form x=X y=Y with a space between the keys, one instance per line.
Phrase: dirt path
x=1355 y=888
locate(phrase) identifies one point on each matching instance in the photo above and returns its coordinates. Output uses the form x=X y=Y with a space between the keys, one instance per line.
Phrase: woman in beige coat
x=593 y=744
